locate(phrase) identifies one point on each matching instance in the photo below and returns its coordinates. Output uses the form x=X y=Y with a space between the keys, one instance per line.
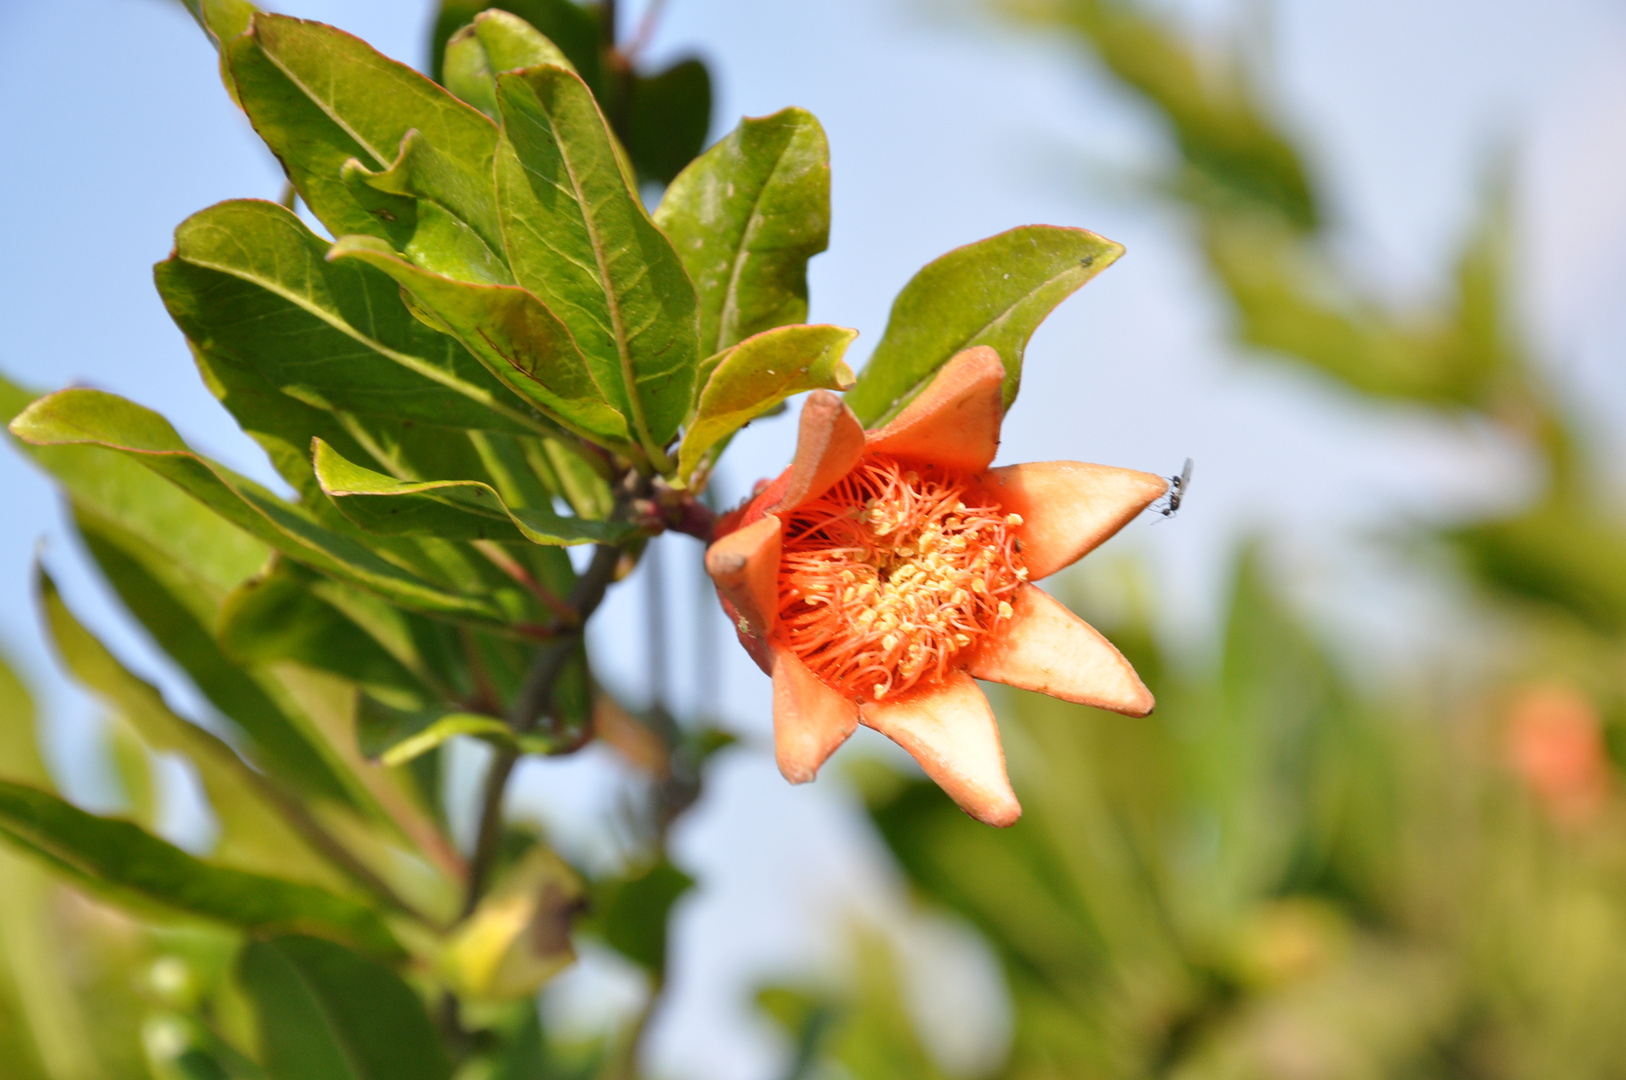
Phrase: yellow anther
x=1013 y=519
x=1005 y=609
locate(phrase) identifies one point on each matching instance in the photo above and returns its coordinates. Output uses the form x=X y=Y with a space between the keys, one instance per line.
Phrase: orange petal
x=1049 y=649
x=1069 y=508
x=828 y=444
x=809 y=719
x=745 y=566
x=954 y=422
x=950 y=730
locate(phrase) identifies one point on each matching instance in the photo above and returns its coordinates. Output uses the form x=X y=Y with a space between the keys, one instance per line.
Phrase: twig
x=509 y=565
x=533 y=699
x=646 y=29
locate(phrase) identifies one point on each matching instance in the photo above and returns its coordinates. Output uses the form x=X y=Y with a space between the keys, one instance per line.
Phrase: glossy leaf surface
x=250 y=282
x=568 y=25
x=116 y=856
x=745 y=218
x=579 y=239
x=496 y=41
x=513 y=333
x=326 y=1013
x=451 y=509
x=92 y=417
x=756 y=375
x=321 y=98
x=994 y=292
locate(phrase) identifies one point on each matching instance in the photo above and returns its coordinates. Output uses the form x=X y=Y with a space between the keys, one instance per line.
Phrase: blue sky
x=943 y=128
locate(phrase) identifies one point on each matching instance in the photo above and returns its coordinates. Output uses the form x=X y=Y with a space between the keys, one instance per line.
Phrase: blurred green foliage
x=1285 y=873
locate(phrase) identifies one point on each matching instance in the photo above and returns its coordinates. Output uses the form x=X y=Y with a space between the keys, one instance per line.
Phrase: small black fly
x=1178 y=486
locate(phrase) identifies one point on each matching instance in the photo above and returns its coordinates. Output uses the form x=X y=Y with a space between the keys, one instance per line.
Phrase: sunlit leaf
x=451 y=509
x=321 y=98
x=513 y=334
x=248 y=281
x=993 y=292
x=75 y=417
x=756 y=375
x=579 y=239
x=745 y=218
x=519 y=936
x=568 y=25
x=495 y=41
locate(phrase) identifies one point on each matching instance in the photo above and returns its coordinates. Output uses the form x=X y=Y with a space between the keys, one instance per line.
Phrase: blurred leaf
x=633 y=913
x=519 y=936
x=200 y=545
x=93 y=417
x=568 y=25
x=512 y=333
x=253 y=832
x=456 y=510
x=1234 y=153
x=45 y=1036
x=326 y=1013
x=993 y=292
x=283 y=743
x=495 y=41
x=181 y=1047
x=745 y=218
x=668 y=115
x=756 y=375
x=593 y=256
x=321 y=99
x=20 y=756
x=275 y=616
x=249 y=282
x=117 y=858
x=397 y=736
x=1559 y=553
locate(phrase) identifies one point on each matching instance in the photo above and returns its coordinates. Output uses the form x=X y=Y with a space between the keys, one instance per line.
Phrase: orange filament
x=887 y=577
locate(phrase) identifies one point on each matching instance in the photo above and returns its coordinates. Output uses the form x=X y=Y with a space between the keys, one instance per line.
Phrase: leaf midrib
x=406 y=360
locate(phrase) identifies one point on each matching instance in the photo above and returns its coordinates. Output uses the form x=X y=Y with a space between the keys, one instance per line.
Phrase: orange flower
x=884 y=571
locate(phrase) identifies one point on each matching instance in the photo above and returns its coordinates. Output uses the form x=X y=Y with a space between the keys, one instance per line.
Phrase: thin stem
x=534 y=698
x=646 y=29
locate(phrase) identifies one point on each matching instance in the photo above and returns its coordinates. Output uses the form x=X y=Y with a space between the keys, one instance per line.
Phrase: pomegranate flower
x=884 y=571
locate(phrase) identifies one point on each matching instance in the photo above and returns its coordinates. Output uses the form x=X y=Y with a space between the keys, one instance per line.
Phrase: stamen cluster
x=886 y=578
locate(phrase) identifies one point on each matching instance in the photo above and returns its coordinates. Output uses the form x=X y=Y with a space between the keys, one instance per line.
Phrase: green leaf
x=201 y=546
x=512 y=333
x=96 y=418
x=397 y=736
x=275 y=616
x=745 y=218
x=495 y=41
x=321 y=98
x=282 y=742
x=579 y=239
x=452 y=509
x=993 y=292
x=568 y=25
x=756 y=375
x=632 y=913
x=667 y=117
x=519 y=936
x=253 y=834
x=119 y=858
x=19 y=742
x=249 y=282
x=326 y=1013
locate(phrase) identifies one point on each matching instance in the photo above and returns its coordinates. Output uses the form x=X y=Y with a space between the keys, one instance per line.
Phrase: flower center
x=887 y=577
